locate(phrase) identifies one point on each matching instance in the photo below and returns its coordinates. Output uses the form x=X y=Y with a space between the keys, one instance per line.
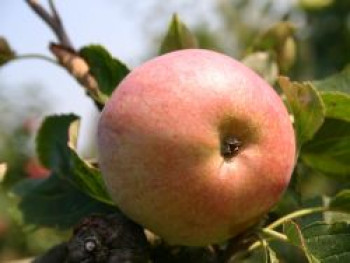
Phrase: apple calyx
x=230 y=147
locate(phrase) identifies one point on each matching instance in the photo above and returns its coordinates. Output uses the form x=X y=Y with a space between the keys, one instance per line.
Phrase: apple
x=195 y=146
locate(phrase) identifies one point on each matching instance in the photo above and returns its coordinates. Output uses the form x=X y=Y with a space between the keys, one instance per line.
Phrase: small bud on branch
x=78 y=67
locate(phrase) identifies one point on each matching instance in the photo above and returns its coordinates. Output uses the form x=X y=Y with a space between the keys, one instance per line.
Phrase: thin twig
x=55 y=14
x=41 y=12
x=52 y=20
x=64 y=39
x=297 y=214
x=66 y=55
x=274 y=234
x=36 y=56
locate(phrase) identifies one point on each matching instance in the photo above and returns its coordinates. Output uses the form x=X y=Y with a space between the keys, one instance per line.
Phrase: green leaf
x=307 y=108
x=73 y=134
x=108 y=71
x=329 y=150
x=293 y=232
x=56 y=155
x=74 y=189
x=6 y=53
x=328 y=243
x=335 y=92
x=177 y=37
x=87 y=178
x=341 y=202
x=339 y=82
x=337 y=105
x=321 y=242
x=263 y=64
x=52 y=140
x=53 y=202
x=295 y=236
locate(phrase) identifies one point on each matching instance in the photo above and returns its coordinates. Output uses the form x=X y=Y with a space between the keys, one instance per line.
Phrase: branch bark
x=66 y=55
x=52 y=20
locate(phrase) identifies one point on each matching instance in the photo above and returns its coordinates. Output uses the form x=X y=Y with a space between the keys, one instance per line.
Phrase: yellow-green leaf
x=177 y=37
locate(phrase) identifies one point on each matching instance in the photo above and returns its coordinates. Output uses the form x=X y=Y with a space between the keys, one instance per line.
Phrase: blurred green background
x=321 y=31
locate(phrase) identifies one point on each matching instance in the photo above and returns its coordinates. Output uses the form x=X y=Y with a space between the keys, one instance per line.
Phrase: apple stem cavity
x=230 y=147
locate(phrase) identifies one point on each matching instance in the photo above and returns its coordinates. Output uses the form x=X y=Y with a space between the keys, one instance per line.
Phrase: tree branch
x=77 y=67
x=52 y=20
x=54 y=10
x=66 y=55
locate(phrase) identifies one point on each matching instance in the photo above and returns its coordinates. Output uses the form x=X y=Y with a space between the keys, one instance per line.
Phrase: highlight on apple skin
x=195 y=146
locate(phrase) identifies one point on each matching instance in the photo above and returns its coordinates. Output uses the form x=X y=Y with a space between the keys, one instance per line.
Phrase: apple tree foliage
x=316 y=230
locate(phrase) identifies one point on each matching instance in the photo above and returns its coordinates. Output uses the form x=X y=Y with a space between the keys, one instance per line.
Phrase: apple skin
x=161 y=139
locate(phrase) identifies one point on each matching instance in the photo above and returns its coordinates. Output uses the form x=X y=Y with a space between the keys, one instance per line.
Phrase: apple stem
x=270 y=235
x=296 y=214
x=268 y=231
x=274 y=234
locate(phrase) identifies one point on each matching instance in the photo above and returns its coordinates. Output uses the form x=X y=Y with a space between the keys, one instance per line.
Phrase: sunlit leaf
x=337 y=105
x=335 y=92
x=339 y=82
x=73 y=134
x=177 y=37
x=306 y=106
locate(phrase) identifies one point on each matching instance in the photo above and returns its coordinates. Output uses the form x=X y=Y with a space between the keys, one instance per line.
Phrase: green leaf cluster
x=321 y=242
x=328 y=151
x=320 y=112
x=73 y=190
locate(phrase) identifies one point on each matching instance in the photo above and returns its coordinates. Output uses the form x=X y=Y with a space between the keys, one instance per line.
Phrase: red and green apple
x=195 y=146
